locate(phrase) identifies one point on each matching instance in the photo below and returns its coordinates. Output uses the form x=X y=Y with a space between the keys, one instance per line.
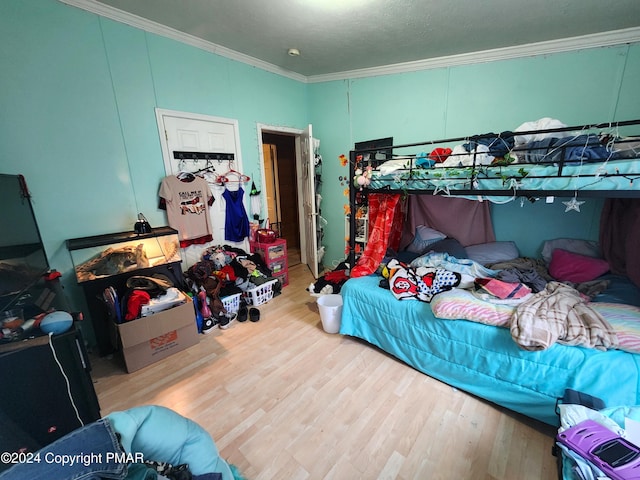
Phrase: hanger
x=241 y=177
x=207 y=169
x=186 y=176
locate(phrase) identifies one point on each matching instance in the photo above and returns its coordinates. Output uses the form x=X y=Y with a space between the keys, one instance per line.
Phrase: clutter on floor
x=331 y=282
x=228 y=284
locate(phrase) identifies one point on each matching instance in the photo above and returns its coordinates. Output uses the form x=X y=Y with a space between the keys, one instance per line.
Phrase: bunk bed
x=468 y=340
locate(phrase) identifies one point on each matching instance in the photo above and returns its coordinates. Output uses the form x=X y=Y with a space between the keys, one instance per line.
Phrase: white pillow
x=424 y=237
x=391 y=166
x=492 y=252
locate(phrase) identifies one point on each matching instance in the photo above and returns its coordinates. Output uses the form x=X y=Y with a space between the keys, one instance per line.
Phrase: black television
x=23 y=260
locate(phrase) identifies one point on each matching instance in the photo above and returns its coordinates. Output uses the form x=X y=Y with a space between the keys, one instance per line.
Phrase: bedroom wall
x=589 y=86
x=78 y=119
x=79 y=92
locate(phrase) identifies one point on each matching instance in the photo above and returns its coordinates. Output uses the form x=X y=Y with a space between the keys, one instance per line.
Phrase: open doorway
x=281 y=189
x=303 y=236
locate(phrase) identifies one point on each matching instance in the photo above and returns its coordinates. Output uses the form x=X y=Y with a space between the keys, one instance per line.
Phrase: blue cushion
x=424 y=237
x=163 y=435
x=449 y=245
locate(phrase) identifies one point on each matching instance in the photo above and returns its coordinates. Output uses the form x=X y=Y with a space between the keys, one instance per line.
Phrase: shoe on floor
x=243 y=314
x=254 y=314
x=208 y=325
x=225 y=321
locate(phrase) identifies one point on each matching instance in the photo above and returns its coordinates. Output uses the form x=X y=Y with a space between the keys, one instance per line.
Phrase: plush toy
x=362 y=178
x=330 y=282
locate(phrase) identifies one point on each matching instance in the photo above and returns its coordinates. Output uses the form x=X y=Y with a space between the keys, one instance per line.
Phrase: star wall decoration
x=572 y=204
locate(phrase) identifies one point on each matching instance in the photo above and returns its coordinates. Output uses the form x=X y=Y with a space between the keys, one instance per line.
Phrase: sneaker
x=208 y=324
x=226 y=321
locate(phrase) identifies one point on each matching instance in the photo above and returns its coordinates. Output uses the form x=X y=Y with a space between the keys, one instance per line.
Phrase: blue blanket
x=484 y=360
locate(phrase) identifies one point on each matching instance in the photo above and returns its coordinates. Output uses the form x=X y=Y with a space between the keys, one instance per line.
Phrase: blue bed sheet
x=484 y=360
x=611 y=175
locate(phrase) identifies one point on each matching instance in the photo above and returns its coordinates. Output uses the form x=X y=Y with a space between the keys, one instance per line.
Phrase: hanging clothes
x=468 y=221
x=619 y=235
x=236 y=222
x=187 y=203
x=385 y=219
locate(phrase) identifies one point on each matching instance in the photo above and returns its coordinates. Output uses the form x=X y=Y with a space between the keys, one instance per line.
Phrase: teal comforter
x=484 y=360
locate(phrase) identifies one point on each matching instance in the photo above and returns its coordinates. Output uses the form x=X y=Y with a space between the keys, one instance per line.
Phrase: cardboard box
x=148 y=339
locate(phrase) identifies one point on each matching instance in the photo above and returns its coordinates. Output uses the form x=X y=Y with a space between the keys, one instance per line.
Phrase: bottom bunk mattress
x=482 y=359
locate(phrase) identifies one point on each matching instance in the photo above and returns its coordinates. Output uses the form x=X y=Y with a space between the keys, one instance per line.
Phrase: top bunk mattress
x=611 y=175
x=589 y=158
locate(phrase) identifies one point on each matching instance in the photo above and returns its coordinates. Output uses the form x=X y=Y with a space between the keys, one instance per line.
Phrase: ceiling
x=344 y=35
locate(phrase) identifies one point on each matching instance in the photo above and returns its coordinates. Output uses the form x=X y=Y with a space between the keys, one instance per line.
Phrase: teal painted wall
x=588 y=86
x=78 y=120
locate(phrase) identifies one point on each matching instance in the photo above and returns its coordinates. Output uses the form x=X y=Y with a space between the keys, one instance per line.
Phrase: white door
x=309 y=247
x=190 y=132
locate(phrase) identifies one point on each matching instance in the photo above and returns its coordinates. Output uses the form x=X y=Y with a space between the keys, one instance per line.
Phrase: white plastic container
x=330 y=307
x=260 y=294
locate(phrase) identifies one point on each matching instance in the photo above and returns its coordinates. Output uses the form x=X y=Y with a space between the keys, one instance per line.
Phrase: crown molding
x=604 y=39
x=168 y=32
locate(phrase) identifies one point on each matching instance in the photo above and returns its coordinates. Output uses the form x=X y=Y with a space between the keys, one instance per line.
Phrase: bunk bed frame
x=508 y=179
x=469 y=355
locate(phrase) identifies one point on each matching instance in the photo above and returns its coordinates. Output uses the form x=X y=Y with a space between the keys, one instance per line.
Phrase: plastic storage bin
x=260 y=294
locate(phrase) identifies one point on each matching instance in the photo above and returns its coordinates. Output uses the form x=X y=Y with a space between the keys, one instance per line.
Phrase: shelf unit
x=361 y=229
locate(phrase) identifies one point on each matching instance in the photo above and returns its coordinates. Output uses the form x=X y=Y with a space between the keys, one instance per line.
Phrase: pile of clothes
x=331 y=282
x=224 y=271
x=144 y=295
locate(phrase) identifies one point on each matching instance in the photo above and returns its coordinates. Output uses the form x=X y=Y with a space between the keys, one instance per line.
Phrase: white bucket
x=330 y=307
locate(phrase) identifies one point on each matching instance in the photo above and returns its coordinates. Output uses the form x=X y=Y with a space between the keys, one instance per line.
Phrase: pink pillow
x=572 y=267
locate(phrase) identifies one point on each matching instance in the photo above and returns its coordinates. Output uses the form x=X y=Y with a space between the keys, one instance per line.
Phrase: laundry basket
x=260 y=294
x=231 y=303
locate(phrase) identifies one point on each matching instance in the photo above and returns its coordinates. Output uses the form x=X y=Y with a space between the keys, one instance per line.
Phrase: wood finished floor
x=284 y=400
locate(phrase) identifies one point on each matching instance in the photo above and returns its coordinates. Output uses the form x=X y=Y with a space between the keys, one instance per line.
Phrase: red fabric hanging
x=385 y=228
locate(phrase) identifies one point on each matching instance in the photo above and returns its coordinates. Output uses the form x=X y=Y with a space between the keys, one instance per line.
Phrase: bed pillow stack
x=572 y=267
x=574 y=260
x=492 y=252
x=424 y=237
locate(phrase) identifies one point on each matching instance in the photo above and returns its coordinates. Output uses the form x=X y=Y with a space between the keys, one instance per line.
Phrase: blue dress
x=236 y=222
